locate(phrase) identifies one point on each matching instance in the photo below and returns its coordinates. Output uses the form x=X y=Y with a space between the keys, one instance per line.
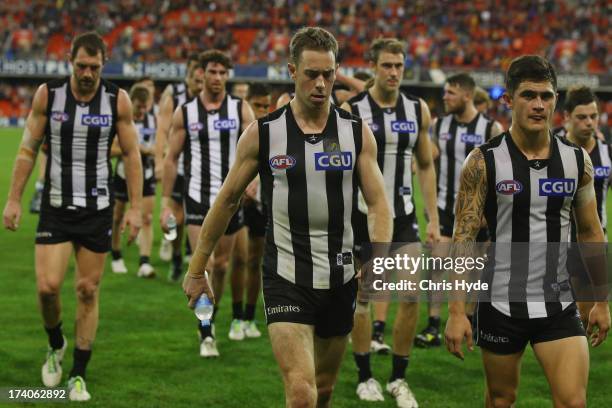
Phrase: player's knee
x=573 y=401
x=502 y=399
x=86 y=291
x=301 y=394
x=48 y=291
x=324 y=394
x=220 y=264
x=362 y=308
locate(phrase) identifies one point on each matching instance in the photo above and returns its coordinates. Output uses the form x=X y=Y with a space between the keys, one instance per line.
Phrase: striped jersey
x=146 y=137
x=530 y=201
x=396 y=131
x=210 y=146
x=180 y=95
x=455 y=141
x=309 y=187
x=79 y=136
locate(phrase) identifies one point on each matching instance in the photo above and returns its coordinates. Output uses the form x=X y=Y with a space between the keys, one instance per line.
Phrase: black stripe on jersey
x=335 y=204
x=224 y=136
x=378 y=118
x=519 y=259
x=298 y=205
x=598 y=182
x=110 y=87
x=205 y=155
x=267 y=182
x=240 y=119
x=66 y=135
x=47 y=141
x=450 y=178
x=91 y=155
x=553 y=232
x=488 y=129
x=490 y=209
x=186 y=149
x=417 y=110
x=402 y=145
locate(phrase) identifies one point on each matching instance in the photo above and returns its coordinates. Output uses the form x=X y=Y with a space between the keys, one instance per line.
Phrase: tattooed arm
x=468 y=213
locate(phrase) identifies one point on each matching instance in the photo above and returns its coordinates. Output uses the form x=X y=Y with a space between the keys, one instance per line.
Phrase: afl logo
x=59 y=116
x=509 y=187
x=282 y=162
x=196 y=126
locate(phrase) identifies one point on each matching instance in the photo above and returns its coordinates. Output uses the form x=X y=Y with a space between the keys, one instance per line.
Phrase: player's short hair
x=313 y=39
x=91 y=42
x=529 y=68
x=258 y=89
x=214 y=56
x=390 y=45
x=193 y=58
x=362 y=76
x=578 y=95
x=144 y=78
x=481 y=96
x=139 y=93
x=463 y=80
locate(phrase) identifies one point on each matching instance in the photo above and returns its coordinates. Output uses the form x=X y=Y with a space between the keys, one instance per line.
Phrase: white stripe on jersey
x=103 y=150
x=194 y=189
x=79 y=150
x=55 y=148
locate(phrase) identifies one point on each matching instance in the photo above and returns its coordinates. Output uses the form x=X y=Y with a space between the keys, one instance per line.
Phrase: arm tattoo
x=470 y=198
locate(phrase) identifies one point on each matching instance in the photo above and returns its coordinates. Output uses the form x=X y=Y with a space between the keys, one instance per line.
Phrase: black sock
x=434 y=321
x=187 y=247
x=205 y=331
x=237 y=310
x=249 y=312
x=400 y=363
x=177 y=260
x=56 y=338
x=116 y=255
x=378 y=329
x=215 y=310
x=81 y=358
x=363 y=365
x=144 y=259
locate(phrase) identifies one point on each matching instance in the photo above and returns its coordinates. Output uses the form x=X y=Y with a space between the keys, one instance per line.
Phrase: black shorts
x=405 y=229
x=501 y=334
x=447 y=222
x=255 y=219
x=178 y=189
x=89 y=228
x=330 y=311
x=196 y=212
x=121 y=191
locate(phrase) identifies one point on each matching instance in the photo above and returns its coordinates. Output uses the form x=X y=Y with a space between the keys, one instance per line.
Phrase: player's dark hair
x=214 y=56
x=313 y=39
x=390 y=45
x=362 y=76
x=463 y=80
x=579 y=95
x=139 y=93
x=481 y=96
x=529 y=68
x=257 y=89
x=91 y=42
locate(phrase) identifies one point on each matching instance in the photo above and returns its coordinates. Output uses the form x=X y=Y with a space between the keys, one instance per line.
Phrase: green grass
x=146 y=353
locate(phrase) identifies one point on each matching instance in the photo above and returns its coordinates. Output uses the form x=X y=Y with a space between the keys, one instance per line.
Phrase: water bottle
x=204 y=307
x=171 y=234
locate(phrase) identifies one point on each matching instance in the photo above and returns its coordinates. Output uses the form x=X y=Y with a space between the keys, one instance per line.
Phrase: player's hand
x=457 y=329
x=132 y=221
x=194 y=286
x=12 y=215
x=164 y=214
x=433 y=233
x=599 y=323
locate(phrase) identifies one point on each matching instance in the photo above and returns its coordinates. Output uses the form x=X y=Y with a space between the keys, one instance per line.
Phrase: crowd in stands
x=573 y=34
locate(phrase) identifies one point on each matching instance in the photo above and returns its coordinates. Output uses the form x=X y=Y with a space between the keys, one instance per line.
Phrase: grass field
x=146 y=353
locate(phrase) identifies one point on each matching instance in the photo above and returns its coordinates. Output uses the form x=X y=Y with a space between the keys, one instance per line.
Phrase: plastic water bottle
x=204 y=307
x=171 y=234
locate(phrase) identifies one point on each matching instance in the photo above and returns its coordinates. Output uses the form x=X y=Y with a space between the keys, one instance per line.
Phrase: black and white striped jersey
x=146 y=137
x=396 y=131
x=455 y=141
x=530 y=201
x=79 y=136
x=560 y=131
x=210 y=146
x=180 y=95
x=309 y=187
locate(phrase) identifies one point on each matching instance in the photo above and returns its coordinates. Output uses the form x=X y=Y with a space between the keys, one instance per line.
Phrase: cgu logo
x=403 y=126
x=196 y=126
x=96 y=120
x=59 y=116
x=333 y=161
x=225 y=124
x=602 y=172
x=509 y=187
x=471 y=139
x=557 y=187
x=147 y=131
x=373 y=127
x=282 y=162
